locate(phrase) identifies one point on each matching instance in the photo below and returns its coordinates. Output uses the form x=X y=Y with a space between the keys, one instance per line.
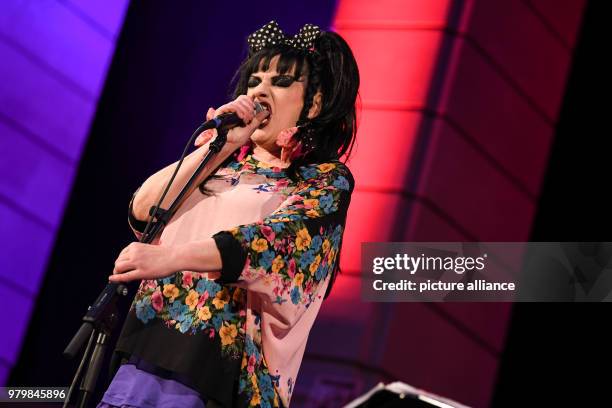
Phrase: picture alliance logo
x=413 y=264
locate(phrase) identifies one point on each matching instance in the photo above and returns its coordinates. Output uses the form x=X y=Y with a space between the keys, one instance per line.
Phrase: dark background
x=558 y=354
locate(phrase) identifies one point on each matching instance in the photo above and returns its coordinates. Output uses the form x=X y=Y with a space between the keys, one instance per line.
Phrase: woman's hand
x=244 y=108
x=145 y=261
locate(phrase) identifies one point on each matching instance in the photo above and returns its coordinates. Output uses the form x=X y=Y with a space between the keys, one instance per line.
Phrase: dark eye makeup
x=284 y=81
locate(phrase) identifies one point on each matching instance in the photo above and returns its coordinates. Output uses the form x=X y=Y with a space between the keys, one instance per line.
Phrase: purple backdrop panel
x=42 y=103
x=108 y=13
x=25 y=248
x=55 y=55
x=16 y=310
x=80 y=57
x=39 y=181
x=4 y=371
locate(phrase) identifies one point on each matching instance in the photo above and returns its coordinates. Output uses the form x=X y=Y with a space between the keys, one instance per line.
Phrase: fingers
x=125 y=277
x=204 y=137
x=243 y=106
x=122 y=265
x=258 y=118
x=125 y=260
x=248 y=108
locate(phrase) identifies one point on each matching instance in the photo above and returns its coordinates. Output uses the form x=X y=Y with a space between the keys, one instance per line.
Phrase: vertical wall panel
x=54 y=55
x=35 y=177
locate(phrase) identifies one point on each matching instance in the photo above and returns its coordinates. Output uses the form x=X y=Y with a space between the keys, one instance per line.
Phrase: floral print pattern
x=191 y=303
x=295 y=248
x=256 y=384
x=292 y=250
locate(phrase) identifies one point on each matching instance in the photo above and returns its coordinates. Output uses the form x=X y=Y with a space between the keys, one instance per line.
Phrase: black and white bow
x=271 y=34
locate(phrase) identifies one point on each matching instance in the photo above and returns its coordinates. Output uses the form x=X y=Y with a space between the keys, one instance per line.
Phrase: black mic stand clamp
x=101 y=317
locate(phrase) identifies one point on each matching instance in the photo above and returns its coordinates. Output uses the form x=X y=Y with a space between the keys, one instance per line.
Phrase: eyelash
x=282 y=81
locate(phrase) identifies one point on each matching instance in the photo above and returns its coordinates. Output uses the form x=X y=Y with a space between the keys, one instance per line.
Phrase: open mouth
x=265 y=122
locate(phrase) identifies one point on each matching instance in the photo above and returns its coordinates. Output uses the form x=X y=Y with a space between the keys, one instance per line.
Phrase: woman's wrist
x=198 y=256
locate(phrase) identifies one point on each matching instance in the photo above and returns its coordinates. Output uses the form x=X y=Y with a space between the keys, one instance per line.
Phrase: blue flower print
x=266 y=259
x=306 y=259
x=177 y=311
x=308 y=172
x=144 y=311
x=326 y=202
x=321 y=272
x=316 y=242
x=248 y=232
x=208 y=285
x=277 y=226
x=217 y=322
x=295 y=295
x=342 y=183
x=185 y=325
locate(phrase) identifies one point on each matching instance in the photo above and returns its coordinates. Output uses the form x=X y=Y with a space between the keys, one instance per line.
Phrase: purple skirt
x=133 y=387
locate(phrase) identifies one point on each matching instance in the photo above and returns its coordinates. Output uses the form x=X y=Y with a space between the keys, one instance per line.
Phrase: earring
x=306 y=134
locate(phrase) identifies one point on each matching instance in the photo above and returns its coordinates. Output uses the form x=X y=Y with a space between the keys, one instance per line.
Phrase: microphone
x=227 y=121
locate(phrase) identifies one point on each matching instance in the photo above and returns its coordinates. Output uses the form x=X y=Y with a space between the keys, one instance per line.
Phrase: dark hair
x=331 y=68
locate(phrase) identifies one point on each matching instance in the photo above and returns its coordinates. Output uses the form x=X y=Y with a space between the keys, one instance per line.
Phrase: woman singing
x=230 y=291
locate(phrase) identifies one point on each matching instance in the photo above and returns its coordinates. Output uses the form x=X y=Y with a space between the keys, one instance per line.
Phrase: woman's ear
x=315 y=109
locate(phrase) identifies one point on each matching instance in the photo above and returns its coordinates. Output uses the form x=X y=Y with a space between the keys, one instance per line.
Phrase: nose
x=260 y=91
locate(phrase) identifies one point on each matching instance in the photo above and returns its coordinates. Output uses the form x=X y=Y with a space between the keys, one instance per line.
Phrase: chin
x=261 y=135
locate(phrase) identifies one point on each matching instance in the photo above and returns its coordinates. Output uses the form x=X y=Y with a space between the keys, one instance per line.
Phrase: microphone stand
x=101 y=317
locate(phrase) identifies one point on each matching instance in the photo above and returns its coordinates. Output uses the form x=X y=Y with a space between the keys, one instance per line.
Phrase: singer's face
x=283 y=96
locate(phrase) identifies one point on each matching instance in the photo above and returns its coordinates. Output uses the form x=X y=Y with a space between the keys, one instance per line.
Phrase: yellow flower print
x=302 y=241
x=204 y=313
x=244 y=361
x=255 y=400
x=237 y=297
x=228 y=334
x=263 y=165
x=326 y=167
x=171 y=291
x=311 y=202
x=260 y=244
x=332 y=254
x=312 y=213
x=298 y=279
x=192 y=299
x=277 y=264
x=326 y=245
x=221 y=299
x=315 y=193
x=315 y=264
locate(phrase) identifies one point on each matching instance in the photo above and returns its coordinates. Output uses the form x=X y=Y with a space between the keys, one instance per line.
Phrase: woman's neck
x=266 y=156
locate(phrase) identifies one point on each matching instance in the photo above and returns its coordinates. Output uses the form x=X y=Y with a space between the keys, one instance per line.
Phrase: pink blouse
x=279 y=240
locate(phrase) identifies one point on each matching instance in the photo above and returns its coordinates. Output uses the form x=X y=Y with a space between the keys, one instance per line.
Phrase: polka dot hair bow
x=271 y=34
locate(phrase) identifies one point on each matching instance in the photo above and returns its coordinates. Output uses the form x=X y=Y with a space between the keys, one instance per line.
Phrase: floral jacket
x=239 y=335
